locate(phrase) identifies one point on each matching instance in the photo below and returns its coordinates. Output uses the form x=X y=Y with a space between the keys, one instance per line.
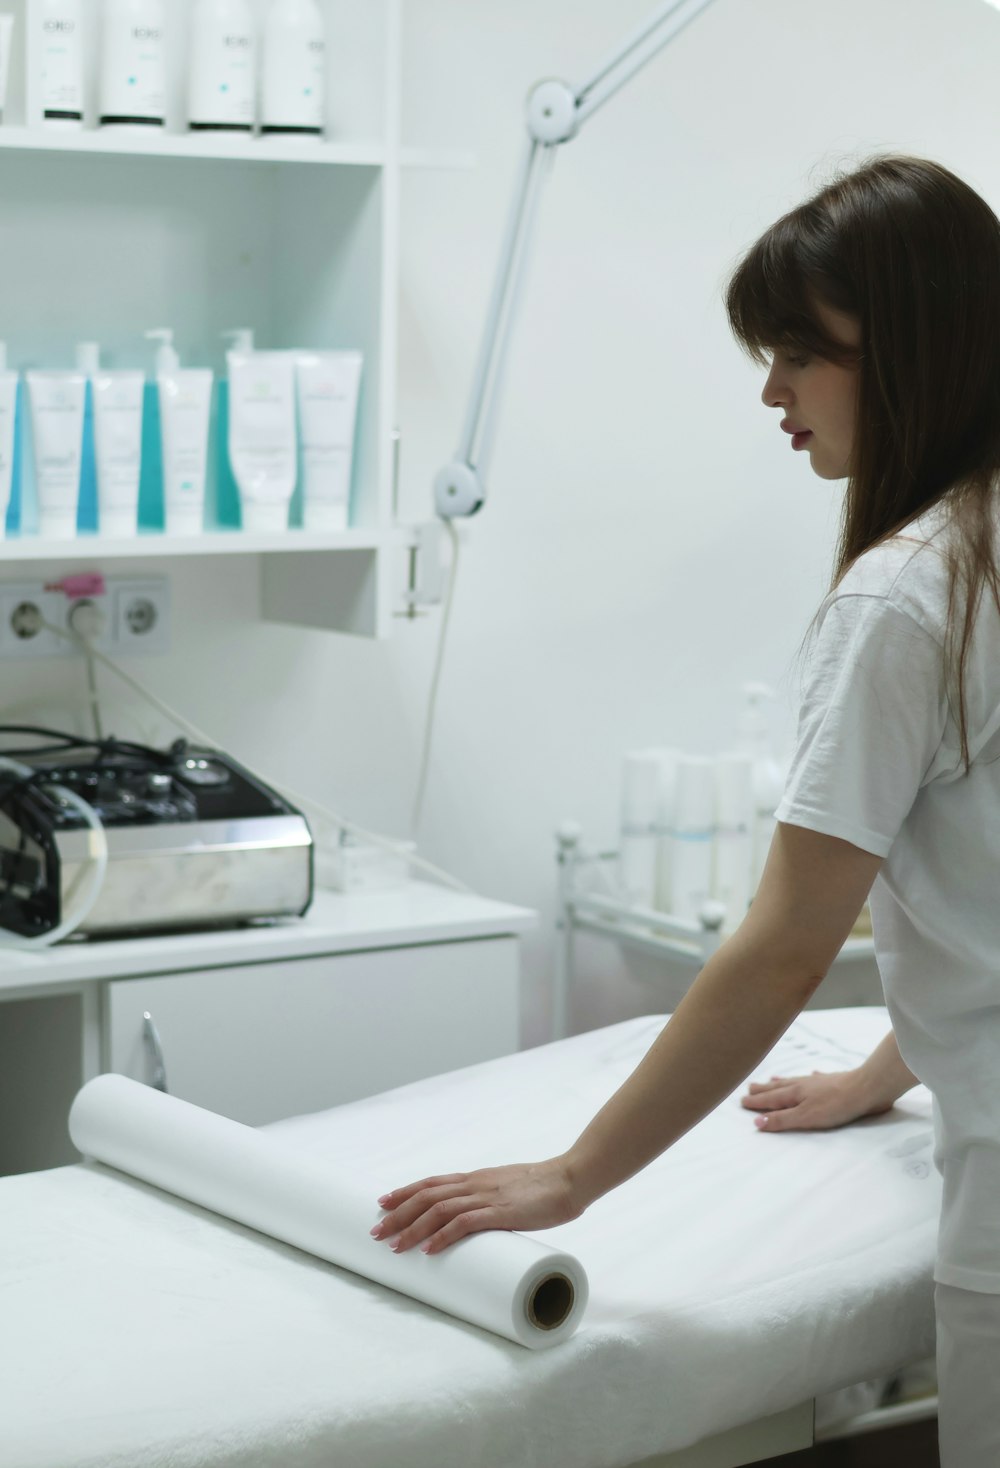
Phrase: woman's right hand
x=810 y=1103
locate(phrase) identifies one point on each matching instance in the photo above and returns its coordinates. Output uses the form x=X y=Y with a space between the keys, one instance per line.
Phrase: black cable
x=110 y=745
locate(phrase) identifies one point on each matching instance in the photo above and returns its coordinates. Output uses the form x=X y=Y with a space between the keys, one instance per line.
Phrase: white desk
x=366 y=992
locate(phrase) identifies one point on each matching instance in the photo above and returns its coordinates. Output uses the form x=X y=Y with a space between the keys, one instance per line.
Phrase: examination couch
x=734 y=1281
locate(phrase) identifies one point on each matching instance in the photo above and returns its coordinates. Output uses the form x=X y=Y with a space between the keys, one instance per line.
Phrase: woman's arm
x=834 y=1098
x=741 y=1003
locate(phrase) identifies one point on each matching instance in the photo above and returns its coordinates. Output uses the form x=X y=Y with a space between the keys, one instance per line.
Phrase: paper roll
x=502 y=1281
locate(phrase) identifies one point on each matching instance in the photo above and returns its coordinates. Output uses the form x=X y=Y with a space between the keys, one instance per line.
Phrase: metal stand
x=581 y=907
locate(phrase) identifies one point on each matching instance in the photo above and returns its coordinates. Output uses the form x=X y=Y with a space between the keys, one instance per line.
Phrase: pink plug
x=86 y=584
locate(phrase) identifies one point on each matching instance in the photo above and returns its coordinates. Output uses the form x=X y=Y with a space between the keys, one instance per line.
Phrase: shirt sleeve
x=872 y=718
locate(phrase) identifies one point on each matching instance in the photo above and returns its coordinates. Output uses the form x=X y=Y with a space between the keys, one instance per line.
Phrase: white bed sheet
x=736 y=1276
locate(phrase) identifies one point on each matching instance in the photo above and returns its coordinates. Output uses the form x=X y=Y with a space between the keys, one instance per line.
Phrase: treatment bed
x=734 y=1281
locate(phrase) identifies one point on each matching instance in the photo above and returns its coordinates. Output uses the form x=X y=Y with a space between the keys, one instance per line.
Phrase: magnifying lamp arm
x=555 y=113
x=459 y=488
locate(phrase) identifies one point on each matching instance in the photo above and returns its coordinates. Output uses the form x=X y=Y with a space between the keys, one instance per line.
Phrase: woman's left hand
x=441 y=1210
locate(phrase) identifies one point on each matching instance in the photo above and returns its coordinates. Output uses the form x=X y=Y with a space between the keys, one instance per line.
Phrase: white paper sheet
x=506 y=1282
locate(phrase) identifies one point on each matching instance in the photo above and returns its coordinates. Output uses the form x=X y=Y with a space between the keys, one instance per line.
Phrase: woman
x=876 y=308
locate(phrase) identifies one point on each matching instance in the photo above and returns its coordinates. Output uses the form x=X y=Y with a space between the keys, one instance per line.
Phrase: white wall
x=651 y=541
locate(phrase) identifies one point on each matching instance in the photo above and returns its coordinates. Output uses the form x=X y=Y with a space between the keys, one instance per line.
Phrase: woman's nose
x=774 y=393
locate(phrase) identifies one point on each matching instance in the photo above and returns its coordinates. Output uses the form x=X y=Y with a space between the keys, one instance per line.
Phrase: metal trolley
x=588 y=901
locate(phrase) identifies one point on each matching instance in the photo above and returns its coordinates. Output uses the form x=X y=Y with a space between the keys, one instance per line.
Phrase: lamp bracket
x=457 y=490
x=552 y=115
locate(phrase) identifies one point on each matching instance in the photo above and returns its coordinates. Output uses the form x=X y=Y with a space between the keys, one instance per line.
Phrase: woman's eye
x=799 y=361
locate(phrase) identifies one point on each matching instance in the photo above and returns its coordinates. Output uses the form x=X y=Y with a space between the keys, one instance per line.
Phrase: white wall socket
x=140 y=615
x=136 y=619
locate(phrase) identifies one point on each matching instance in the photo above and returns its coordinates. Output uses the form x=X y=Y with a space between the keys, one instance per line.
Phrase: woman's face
x=818 y=397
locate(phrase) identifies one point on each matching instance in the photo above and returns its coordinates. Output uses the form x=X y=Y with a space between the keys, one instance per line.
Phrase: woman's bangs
x=771 y=304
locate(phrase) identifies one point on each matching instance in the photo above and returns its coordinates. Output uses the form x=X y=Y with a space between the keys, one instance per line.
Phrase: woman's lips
x=799 y=440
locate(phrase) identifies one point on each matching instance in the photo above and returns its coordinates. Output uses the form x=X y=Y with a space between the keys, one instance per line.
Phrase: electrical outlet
x=22 y=606
x=140 y=615
x=136 y=617
x=102 y=640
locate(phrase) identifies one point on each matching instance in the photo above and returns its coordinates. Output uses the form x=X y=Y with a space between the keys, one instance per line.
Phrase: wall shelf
x=210 y=543
x=182 y=145
x=306 y=260
x=222 y=148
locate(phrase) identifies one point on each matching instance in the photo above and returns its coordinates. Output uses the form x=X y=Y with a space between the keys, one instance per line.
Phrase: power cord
x=83 y=645
x=86 y=620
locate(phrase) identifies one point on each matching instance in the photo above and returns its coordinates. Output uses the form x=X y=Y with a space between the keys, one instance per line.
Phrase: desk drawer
x=263 y=1041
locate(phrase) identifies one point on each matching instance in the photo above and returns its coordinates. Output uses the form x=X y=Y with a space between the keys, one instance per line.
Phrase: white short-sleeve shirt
x=878 y=763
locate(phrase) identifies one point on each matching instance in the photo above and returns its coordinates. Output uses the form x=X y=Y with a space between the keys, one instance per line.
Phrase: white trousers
x=968 y=1372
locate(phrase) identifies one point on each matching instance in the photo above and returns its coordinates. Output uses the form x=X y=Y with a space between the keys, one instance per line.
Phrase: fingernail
x=384 y=1199
x=376 y=1231
x=425 y=1247
x=760 y=1121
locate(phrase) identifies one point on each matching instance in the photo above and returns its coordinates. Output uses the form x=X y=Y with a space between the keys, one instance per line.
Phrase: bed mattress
x=736 y=1276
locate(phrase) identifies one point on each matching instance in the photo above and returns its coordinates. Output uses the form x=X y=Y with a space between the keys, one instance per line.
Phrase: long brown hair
x=913 y=253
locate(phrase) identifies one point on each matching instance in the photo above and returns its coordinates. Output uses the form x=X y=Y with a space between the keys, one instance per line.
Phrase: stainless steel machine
x=194 y=839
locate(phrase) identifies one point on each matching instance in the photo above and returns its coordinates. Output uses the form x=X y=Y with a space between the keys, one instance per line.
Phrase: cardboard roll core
x=551 y=1301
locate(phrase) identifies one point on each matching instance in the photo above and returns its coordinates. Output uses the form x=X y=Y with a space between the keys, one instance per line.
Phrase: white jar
x=133 y=63
x=223 y=67
x=293 y=88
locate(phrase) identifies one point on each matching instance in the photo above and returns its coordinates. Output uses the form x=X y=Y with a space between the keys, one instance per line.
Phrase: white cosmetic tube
x=61 y=48
x=185 y=407
x=693 y=836
x=734 y=818
x=6 y=36
x=8 y=419
x=328 y=385
x=118 y=444
x=262 y=436
x=57 y=405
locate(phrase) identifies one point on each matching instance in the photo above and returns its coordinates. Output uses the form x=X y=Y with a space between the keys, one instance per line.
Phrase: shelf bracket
x=426 y=576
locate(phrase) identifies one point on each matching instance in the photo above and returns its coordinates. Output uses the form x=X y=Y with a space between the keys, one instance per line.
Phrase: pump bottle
x=185 y=403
